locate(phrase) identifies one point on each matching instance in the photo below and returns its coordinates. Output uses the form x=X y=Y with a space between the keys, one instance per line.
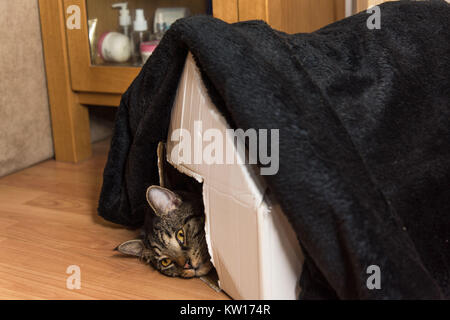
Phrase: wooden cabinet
x=362 y=5
x=290 y=16
x=75 y=79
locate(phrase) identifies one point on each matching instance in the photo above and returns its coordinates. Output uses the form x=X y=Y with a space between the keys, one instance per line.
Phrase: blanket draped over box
x=364 y=119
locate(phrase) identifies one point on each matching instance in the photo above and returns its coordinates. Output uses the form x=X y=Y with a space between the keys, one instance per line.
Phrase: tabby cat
x=174 y=237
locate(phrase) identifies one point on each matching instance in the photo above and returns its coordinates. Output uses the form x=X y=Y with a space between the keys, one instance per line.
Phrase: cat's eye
x=166 y=262
x=180 y=236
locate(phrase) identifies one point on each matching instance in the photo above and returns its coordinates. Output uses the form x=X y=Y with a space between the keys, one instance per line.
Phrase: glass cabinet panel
x=125 y=33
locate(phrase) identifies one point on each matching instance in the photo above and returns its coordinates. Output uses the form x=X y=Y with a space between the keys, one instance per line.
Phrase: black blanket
x=364 y=119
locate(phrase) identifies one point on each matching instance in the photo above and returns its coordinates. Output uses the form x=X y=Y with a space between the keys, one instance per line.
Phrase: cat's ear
x=162 y=200
x=132 y=248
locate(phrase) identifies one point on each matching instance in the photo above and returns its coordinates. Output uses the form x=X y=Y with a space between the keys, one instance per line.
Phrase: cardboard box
x=252 y=245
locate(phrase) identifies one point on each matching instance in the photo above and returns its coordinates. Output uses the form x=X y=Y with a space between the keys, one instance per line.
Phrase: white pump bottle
x=140 y=34
x=124 y=17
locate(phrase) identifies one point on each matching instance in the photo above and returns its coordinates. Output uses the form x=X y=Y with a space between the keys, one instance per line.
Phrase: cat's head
x=174 y=238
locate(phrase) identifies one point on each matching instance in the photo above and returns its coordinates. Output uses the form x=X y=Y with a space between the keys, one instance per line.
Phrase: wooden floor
x=48 y=222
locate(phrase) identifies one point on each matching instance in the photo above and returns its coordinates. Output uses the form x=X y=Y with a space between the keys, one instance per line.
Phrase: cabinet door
x=293 y=16
x=226 y=10
x=362 y=5
x=89 y=71
x=85 y=75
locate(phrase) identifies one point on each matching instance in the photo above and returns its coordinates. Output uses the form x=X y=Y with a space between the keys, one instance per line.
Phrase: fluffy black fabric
x=364 y=119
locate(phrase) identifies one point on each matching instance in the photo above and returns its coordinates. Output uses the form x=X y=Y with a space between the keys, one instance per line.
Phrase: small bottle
x=139 y=35
x=160 y=29
x=124 y=18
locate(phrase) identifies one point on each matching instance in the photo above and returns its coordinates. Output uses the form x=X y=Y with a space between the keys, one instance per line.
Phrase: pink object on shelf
x=147 y=49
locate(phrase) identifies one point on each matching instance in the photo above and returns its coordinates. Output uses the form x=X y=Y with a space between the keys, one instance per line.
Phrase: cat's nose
x=188 y=264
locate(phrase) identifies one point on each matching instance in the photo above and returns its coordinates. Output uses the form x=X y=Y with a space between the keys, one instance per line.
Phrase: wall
x=25 y=129
x=25 y=125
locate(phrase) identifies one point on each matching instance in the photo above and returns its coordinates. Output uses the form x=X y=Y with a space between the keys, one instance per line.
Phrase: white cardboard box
x=252 y=245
